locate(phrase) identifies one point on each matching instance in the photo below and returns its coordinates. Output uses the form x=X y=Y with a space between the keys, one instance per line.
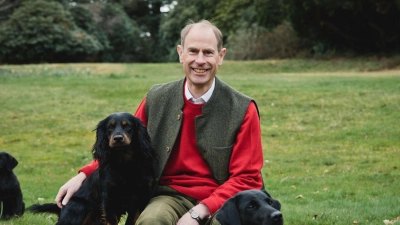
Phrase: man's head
x=201 y=53
x=217 y=32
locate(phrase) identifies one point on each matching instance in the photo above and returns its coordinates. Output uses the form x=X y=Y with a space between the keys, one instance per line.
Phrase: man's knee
x=161 y=210
x=152 y=221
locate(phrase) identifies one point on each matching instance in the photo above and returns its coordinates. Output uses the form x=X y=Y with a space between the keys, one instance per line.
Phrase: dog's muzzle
x=118 y=138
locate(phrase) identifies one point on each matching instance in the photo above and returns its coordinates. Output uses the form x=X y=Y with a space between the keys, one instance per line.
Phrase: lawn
x=330 y=129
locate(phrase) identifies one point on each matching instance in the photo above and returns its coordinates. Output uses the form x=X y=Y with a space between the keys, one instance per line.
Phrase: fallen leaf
x=299 y=196
x=355 y=222
x=388 y=222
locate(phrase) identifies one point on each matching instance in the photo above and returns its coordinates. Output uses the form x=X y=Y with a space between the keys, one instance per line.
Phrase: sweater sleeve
x=141 y=114
x=246 y=162
x=89 y=168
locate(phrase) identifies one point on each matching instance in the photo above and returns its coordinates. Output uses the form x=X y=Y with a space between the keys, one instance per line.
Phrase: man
x=207 y=136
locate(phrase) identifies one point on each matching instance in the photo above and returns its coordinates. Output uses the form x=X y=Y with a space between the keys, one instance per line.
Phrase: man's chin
x=200 y=79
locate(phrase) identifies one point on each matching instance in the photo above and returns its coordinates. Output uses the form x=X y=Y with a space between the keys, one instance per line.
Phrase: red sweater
x=188 y=173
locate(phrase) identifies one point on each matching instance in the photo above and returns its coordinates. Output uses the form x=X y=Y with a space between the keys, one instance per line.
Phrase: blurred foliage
x=149 y=30
x=363 y=26
x=40 y=31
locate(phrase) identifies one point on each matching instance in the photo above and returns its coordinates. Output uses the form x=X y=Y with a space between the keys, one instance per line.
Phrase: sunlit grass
x=330 y=130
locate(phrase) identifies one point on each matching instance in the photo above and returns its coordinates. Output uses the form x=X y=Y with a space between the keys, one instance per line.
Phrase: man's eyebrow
x=208 y=50
x=192 y=48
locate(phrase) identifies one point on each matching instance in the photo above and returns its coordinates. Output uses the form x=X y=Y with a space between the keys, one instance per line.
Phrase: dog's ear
x=11 y=162
x=229 y=214
x=275 y=203
x=99 y=148
x=145 y=142
x=266 y=192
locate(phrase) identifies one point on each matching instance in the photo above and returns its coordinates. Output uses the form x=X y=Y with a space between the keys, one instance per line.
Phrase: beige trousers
x=167 y=207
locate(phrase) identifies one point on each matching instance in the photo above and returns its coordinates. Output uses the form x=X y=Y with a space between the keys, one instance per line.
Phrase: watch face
x=194 y=214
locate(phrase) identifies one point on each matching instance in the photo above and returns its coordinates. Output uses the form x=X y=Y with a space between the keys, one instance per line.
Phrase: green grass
x=330 y=129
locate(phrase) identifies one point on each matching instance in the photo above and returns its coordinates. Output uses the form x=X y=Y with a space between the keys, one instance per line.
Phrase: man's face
x=200 y=56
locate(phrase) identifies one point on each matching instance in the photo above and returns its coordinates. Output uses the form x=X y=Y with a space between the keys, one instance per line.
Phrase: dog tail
x=45 y=208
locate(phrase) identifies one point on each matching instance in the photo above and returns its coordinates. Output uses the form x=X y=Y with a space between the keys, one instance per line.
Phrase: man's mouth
x=199 y=70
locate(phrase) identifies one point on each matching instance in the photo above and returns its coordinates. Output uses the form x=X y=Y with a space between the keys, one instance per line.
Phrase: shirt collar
x=202 y=99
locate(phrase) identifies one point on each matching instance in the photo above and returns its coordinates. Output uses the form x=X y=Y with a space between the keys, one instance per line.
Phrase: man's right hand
x=69 y=189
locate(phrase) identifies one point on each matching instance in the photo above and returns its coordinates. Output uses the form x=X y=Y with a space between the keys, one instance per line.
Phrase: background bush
x=149 y=30
x=41 y=31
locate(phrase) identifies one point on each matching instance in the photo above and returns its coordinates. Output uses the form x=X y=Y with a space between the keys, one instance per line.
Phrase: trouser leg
x=167 y=207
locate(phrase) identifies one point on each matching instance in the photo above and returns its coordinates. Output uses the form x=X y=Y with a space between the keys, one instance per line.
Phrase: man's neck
x=198 y=91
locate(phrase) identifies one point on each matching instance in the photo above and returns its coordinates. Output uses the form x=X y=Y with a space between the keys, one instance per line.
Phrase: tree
x=269 y=13
x=125 y=36
x=7 y=7
x=362 y=26
x=42 y=31
x=228 y=14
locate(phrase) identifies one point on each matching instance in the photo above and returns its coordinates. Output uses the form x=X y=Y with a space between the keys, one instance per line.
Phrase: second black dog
x=123 y=181
x=252 y=207
x=11 y=203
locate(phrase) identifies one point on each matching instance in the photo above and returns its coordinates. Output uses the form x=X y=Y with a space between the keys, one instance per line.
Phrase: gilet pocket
x=218 y=159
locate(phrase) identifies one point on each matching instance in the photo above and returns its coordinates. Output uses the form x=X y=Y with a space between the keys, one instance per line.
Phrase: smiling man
x=206 y=134
x=201 y=54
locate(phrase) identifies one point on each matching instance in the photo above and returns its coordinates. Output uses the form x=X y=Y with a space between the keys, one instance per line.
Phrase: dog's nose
x=118 y=137
x=276 y=216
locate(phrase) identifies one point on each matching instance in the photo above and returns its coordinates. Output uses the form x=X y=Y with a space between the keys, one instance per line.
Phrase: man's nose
x=200 y=58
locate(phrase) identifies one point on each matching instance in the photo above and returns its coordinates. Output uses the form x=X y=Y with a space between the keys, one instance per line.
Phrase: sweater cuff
x=90 y=168
x=212 y=205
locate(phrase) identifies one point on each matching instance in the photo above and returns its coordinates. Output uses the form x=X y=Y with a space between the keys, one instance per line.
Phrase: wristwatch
x=195 y=215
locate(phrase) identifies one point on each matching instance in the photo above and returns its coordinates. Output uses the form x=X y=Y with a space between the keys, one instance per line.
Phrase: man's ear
x=179 y=49
x=221 y=56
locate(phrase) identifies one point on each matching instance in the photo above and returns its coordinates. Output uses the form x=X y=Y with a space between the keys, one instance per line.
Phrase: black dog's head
x=252 y=207
x=120 y=133
x=7 y=162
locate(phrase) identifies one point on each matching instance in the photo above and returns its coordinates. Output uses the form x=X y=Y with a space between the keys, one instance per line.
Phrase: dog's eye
x=269 y=201
x=128 y=127
x=252 y=205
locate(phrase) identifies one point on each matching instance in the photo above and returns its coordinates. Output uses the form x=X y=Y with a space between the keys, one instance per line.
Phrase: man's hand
x=69 y=189
x=187 y=219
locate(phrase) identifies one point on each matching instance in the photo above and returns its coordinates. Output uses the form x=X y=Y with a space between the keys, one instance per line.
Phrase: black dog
x=121 y=184
x=11 y=203
x=252 y=207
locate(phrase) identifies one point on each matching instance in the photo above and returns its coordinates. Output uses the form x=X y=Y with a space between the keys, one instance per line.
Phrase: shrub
x=43 y=31
x=258 y=43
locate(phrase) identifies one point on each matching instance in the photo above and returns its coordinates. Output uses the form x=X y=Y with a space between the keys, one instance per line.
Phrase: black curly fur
x=123 y=181
x=11 y=204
